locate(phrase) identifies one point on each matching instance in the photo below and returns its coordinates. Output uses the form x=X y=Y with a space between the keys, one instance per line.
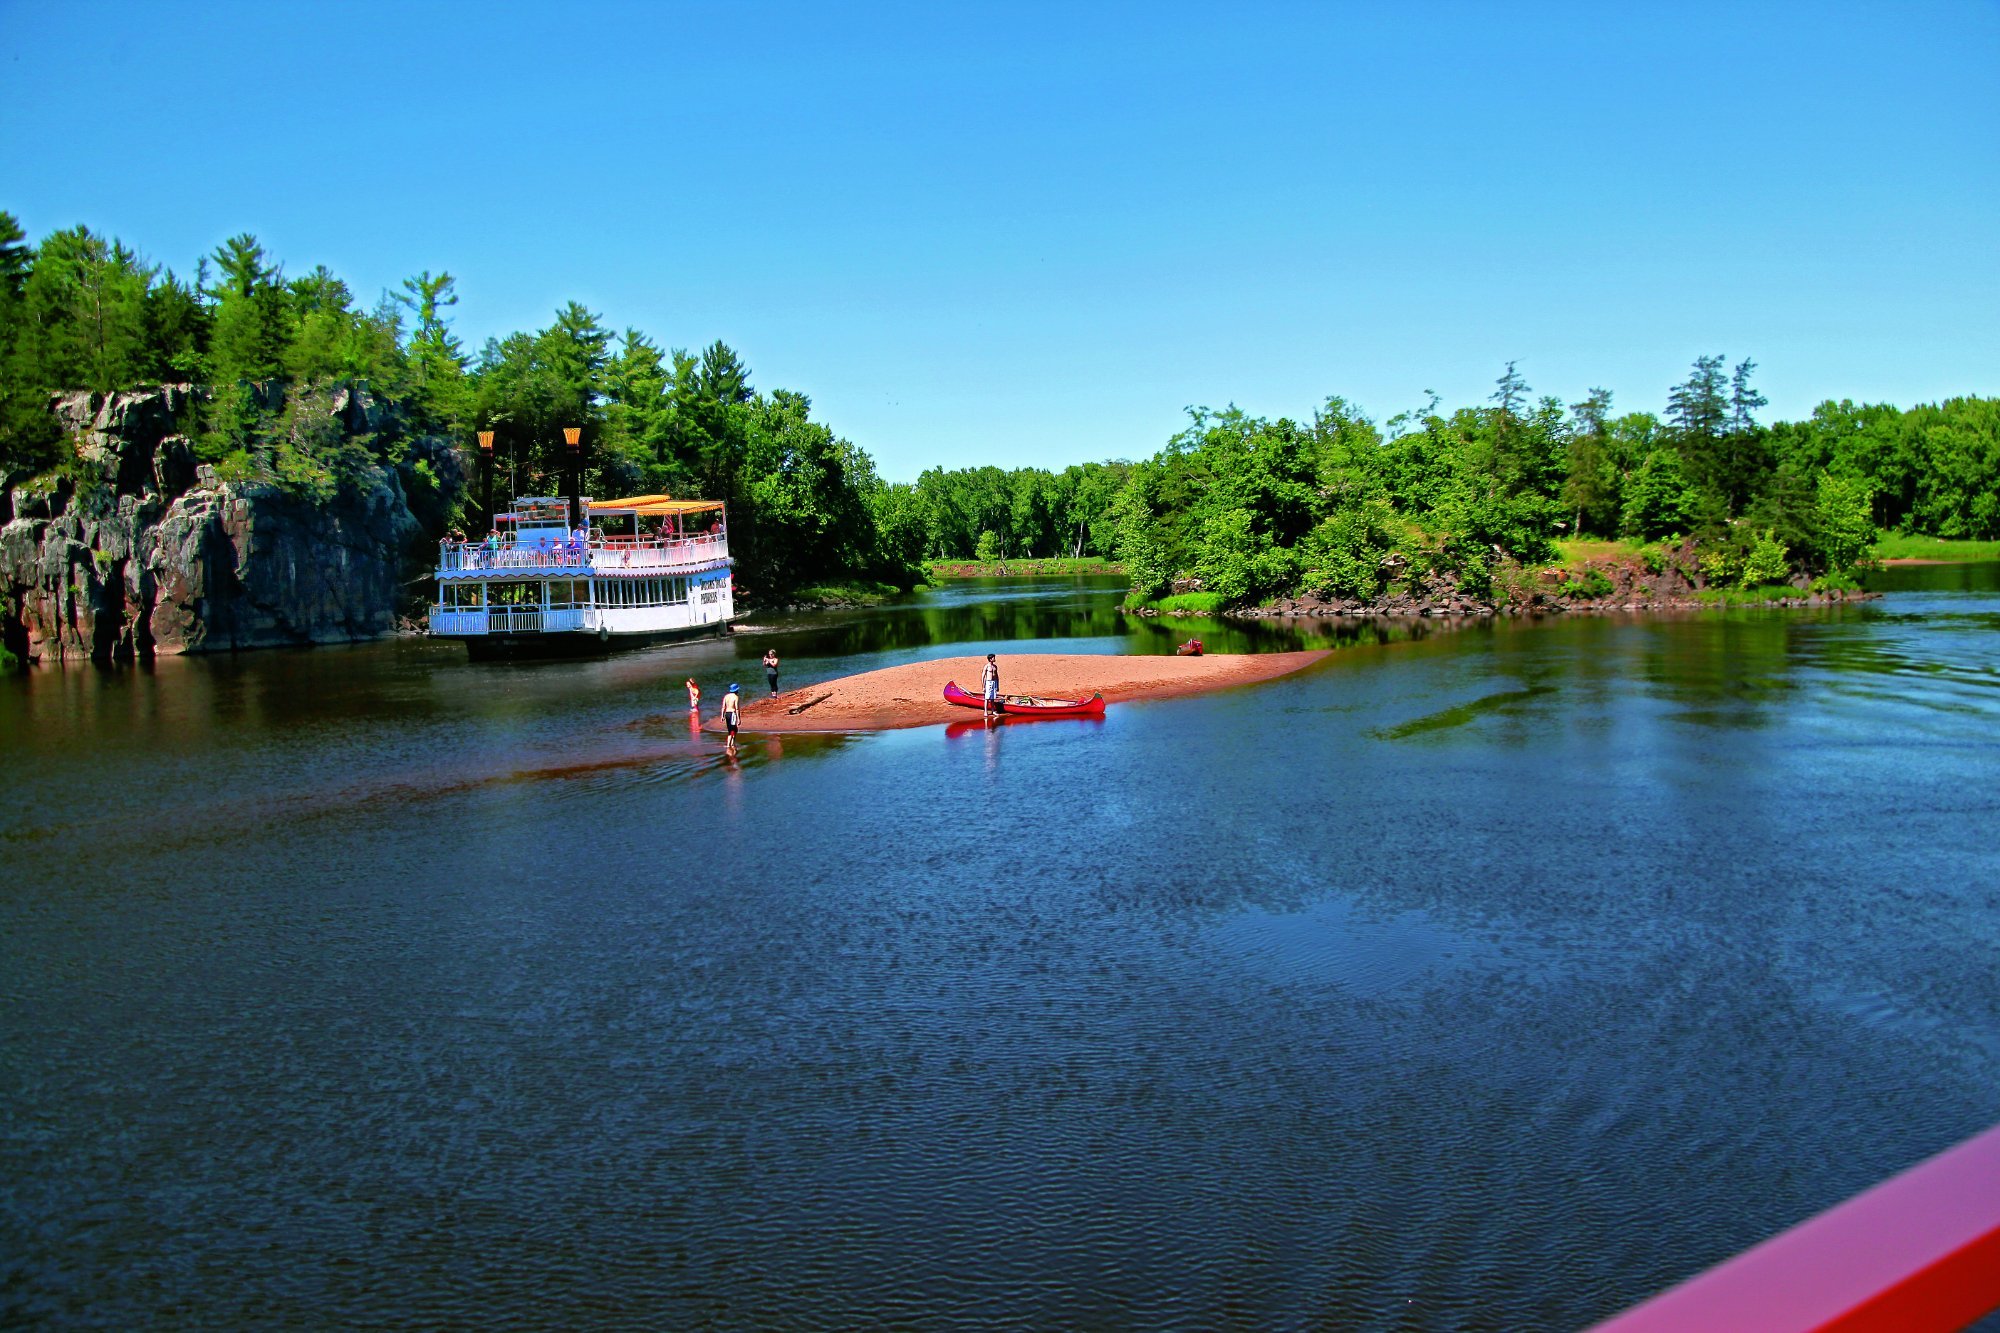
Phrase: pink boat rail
x=1920 y=1251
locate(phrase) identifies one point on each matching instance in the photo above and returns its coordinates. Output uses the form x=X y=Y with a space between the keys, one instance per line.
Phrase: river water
x=1492 y=977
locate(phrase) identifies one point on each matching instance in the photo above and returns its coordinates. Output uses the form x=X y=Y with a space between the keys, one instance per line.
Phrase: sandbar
x=913 y=695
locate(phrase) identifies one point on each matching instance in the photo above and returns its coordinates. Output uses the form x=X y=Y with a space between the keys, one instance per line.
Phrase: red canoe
x=1029 y=705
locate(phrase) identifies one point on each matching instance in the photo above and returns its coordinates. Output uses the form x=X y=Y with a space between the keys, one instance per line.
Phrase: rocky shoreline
x=1596 y=587
x=1536 y=605
x=137 y=548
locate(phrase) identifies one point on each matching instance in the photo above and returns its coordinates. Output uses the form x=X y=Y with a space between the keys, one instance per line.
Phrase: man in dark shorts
x=732 y=708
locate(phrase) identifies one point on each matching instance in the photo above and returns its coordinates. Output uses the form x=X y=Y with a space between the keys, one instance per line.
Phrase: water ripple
x=342 y=992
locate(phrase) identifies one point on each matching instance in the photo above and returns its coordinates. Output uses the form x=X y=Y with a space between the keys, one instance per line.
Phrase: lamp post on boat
x=573 y=437
x=486 y=473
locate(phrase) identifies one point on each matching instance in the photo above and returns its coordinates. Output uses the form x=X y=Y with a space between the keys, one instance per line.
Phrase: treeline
x=1250 y=507
x=984 y=513
x=82 y=311
x=1336 y=506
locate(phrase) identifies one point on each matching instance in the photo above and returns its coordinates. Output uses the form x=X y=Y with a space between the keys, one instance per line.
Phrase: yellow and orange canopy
x=652 y=506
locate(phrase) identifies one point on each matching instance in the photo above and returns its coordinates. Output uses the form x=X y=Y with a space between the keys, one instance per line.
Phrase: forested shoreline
x=1246 y=509
x=1236 y=509
x=267 y=354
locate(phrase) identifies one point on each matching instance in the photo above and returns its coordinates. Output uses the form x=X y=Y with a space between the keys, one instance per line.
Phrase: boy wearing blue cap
x=732 y=705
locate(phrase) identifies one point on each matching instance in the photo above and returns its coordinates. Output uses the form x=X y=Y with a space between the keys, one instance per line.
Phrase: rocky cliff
x=135 y=548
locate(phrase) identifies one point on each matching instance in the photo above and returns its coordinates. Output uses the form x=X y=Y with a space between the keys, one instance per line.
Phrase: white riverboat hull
x=576 y=643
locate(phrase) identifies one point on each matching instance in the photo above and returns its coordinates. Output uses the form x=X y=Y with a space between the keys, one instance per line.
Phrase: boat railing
x=1918 y=1253
x=553 y=619
x=456 y=556
x=657 y=553
x=610 y=553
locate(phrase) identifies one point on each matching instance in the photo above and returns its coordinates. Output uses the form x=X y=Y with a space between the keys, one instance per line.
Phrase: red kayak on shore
x=1028 y=705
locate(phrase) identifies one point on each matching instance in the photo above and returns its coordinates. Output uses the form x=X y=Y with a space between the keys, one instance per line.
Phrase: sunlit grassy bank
x=1910 y=546
x=1576 y=550
x=1183 y=603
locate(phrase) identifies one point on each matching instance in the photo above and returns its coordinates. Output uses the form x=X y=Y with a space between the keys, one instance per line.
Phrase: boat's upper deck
x=665 y=536
x=599 y=554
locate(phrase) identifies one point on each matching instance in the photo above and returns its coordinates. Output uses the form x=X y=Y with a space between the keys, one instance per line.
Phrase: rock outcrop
x=139 y=549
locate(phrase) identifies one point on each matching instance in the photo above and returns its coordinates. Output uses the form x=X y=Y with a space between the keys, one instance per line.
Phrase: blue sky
x=1033 y=234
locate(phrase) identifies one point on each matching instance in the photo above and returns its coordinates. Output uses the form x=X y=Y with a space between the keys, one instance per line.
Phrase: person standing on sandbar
x=990 y=677
x=771 y=668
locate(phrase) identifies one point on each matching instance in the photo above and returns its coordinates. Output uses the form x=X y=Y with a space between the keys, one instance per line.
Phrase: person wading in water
x=991 y=678
x=732 y=709
x=694 y=696
x=771 y=668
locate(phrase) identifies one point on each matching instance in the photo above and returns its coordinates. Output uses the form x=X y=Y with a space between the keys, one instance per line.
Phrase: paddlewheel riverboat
x=639 y=570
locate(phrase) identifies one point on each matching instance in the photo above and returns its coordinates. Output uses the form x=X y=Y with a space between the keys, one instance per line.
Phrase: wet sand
x=913 y=695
